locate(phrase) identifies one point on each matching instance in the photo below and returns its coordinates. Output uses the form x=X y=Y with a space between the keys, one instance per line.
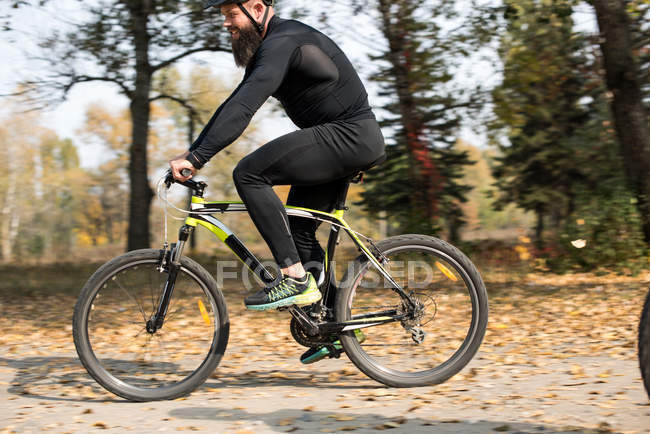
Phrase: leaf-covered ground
x=559 y=356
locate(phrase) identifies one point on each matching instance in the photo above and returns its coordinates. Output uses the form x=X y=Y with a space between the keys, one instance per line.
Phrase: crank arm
x=303 y=319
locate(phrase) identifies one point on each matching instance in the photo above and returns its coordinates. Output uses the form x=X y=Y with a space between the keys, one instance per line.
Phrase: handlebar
x=196 y=187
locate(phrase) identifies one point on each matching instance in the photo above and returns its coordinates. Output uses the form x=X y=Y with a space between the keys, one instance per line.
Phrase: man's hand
x=179 y=163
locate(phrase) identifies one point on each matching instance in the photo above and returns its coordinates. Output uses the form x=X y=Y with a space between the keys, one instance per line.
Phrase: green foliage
x=604 y=212
x=609 y=226
x=36 y=245
x=561 y=158
x=542 y=107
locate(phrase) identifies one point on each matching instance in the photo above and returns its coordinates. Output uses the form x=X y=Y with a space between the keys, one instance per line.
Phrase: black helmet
x=258 y=26
x=210 y=3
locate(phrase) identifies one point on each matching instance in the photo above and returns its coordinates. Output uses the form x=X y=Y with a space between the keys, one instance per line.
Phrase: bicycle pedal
x=283 y=308
x=334 y=352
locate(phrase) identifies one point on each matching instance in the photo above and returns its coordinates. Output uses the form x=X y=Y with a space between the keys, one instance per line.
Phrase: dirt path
x=553 y=361
x=53 y=392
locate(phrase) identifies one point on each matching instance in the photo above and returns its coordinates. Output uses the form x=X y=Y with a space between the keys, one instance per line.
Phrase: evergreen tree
x=418 y=184
x=540 y=106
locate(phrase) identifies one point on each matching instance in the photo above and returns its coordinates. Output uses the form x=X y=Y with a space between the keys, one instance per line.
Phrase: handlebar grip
x=186 y=172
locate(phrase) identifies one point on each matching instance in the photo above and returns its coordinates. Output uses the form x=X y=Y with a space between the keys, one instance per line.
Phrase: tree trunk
x=539 y=227
x=10 y=216
x=630 y=117
x=10 y=219
x=141 y=193
x=107 y=222
x=396 y=36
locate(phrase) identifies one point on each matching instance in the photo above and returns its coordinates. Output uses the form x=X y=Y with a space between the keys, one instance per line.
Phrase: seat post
x=343 y=193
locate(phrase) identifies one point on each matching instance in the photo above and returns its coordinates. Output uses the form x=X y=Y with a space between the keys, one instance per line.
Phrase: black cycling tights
x=315 y=162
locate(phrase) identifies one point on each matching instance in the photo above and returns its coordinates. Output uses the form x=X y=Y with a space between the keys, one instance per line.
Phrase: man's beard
x=246 y=45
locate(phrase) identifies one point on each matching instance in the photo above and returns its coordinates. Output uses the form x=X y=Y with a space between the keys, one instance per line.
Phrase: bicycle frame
x=202 y=215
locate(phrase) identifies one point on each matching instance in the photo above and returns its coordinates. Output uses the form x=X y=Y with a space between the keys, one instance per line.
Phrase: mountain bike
x=644 y=344
x=152 y=324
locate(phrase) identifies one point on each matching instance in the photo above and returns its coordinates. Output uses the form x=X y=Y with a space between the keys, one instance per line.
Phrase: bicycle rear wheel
x=110 y=334
x=644 y=344
x=434 y=344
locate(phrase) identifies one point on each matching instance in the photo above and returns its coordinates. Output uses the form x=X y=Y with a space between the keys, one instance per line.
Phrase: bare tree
x=126 y=42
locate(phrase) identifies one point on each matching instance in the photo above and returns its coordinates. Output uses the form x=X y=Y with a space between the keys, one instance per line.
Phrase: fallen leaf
x=342 y=417
x=285 y=422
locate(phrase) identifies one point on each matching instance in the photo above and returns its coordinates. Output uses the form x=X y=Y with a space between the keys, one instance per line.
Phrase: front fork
x=171 y=263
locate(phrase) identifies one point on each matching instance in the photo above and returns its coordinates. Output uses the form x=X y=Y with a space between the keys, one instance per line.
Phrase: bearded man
x=338 y=136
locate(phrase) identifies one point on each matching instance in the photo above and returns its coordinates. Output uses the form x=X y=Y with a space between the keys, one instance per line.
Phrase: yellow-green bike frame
x=202 y=215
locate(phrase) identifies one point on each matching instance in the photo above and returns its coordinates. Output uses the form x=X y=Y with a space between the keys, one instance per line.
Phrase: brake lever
x=169 y=179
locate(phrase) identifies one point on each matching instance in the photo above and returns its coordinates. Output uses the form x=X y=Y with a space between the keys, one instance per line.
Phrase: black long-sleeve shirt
x=302 y=68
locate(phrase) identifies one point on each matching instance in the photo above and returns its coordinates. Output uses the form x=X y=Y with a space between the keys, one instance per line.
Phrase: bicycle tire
x=118 y=369
x=644 y=344
x=373 y=362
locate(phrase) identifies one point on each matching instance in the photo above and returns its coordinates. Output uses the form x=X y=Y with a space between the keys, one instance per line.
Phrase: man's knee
x=243 y=174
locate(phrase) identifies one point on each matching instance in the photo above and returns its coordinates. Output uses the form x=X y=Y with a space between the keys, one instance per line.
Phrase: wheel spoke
x=425 y=342
x=139 y=364
x=140 y=332
x=151 y=287
x=128 y=294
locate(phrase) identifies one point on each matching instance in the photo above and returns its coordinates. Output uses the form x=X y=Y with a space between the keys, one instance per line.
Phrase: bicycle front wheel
x=445 y=331
x=111 y=337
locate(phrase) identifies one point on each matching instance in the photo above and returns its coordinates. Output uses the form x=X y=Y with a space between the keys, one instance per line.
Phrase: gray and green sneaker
x=286 y=292
x=315 y=354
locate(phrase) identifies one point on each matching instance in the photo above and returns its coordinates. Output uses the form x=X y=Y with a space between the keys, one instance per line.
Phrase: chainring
x=304 y=339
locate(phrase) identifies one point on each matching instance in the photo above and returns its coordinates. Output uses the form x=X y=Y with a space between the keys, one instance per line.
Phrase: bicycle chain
x=299 y=335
